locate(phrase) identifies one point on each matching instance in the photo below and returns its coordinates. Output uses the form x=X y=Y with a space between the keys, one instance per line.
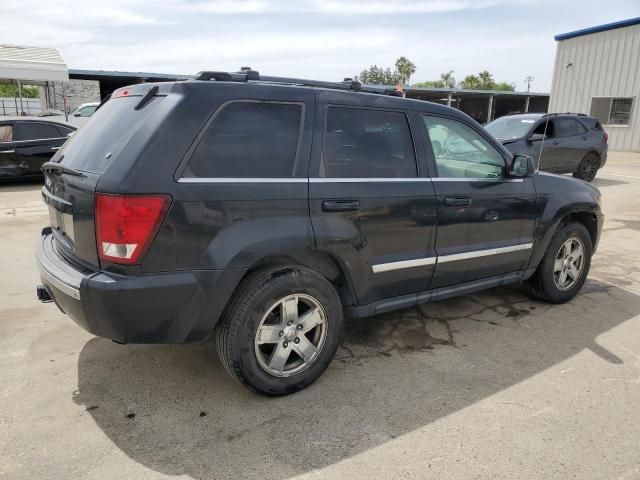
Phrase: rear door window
x=364 y=143
x=249 y=139
x=37 y=131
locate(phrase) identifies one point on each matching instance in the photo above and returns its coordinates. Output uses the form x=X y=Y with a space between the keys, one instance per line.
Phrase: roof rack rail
x=254 y=76
x=565 y=113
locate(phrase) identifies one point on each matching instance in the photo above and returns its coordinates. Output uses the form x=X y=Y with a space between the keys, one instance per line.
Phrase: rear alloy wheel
x=281 y=329
x=588 y=167
x=291 y=335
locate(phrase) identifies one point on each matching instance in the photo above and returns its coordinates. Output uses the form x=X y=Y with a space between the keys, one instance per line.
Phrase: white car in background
x=81 y=115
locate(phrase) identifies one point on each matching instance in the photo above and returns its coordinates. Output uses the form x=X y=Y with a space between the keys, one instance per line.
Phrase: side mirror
x=522 y=166
x=536 y=137
x=77 y=114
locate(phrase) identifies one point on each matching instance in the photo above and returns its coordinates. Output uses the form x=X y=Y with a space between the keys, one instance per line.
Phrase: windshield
x=508 y=128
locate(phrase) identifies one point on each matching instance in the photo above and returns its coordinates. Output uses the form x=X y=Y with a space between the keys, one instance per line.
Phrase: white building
x=597 y=72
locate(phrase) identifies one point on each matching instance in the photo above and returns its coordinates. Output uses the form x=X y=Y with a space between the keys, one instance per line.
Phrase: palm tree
x=486 y=80
x=471 y=82
x=448 y=79
x=405 y=68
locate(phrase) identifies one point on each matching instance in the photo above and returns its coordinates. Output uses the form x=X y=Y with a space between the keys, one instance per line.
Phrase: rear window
x=93 y=147
x=249 y=140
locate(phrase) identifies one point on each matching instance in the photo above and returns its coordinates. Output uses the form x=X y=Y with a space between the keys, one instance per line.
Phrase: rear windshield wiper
x=53 y=166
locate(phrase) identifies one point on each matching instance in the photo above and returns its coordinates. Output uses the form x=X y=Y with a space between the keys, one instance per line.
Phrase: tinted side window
x=545 y=128
x=581 y=128
x=249 y=140
x=362 y=143
x=64 y=131
x=37 y=131
x=565 y=127
x=460 y=151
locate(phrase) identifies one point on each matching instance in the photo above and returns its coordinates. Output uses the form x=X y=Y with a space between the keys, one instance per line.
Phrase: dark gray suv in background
x=570 y=143
x=258 y=211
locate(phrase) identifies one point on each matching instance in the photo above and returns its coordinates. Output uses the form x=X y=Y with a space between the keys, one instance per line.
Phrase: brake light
x=121 y=92
x=606 y=137
x=127 y=224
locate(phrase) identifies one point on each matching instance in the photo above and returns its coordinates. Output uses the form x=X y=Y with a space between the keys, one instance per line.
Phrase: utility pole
x=528 y=80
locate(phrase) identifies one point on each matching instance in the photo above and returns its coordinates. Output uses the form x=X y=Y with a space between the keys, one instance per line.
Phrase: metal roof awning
x=32 y=64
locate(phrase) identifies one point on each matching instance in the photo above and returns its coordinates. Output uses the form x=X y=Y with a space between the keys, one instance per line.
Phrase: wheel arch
x=320 y=262
x=587 y=218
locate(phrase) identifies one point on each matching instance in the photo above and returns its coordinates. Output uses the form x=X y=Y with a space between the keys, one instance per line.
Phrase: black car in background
x=28 y=142
x=570 y=143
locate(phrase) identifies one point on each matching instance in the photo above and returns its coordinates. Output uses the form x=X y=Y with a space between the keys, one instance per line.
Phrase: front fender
x=559 y=198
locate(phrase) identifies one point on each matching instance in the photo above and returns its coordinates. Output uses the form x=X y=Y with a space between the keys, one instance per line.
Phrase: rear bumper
x=603 y=156
x=175 y=307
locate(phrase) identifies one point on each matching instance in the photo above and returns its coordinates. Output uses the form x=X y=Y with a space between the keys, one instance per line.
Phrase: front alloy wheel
x=568 y=264
x=565 y=264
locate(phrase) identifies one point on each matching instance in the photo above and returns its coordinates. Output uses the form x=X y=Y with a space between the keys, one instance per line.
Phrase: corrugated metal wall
x=604 y=64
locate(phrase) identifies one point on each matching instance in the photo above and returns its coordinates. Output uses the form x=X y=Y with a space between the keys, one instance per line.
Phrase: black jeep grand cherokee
x=261 y=211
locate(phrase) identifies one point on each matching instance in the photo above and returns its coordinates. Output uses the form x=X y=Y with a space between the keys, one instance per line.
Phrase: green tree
x=507 y=87
x=11 y=90
x=375 y=75
x=430 y=84
x=405 y=68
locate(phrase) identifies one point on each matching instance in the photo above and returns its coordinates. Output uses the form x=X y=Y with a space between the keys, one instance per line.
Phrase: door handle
x=340 y=205
x=555 y=142
x=55 y=148
x=7 y=151
x=457 y=201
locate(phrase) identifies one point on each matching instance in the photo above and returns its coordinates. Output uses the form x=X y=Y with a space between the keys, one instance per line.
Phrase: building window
x=612 y=110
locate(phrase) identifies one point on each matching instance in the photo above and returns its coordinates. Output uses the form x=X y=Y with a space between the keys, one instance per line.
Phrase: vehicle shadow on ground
x=607 y=182
x=20 y=185
x=174 y=410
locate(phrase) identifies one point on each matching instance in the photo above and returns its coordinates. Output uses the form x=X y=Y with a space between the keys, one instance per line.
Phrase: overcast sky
x=323 y=39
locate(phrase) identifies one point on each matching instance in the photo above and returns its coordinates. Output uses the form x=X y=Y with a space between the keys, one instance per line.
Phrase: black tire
x=588 y=167
x=543 y=283
x=237 y=329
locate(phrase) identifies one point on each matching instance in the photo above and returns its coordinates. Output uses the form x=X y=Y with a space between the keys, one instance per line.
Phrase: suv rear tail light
x=606 y=137
x=127 y=224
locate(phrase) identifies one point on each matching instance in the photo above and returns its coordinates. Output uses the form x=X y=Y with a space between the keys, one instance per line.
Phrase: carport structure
x=22 y=65
x=483 y=105
x=112 y=80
